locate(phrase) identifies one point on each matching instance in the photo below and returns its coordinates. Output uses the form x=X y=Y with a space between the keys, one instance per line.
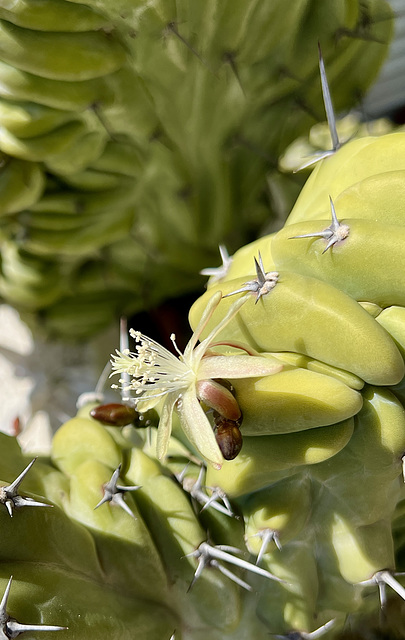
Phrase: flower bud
x=228 y=437
x=114 y=414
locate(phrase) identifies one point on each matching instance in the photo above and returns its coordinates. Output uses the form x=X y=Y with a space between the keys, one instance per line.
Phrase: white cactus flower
x=181 y=381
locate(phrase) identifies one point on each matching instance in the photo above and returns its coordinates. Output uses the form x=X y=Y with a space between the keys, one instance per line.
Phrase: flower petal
x=146 y=402
x=165 y=425
x=212 y=304
x=232 y=311
x=198 y=430
x=219 y=398
x=237 y=367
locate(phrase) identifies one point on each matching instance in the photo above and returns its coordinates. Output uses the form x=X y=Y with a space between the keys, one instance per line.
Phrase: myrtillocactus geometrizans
x=302 y=531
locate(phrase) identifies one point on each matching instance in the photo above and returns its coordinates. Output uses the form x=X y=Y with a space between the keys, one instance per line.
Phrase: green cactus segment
x=177 y=532
x=360 y=160
x=369 y=489
x=267 y=459
x=354 y=265
x=293 y=605
x=362 y=550
x=27 y=119
x=282 y=509
x=61 y=56
x=70 y=96
x=81 y=439
x=72 y=599
x=293 y=401
x=300 y=315
x=21 y=185
x=77 y=80
x=52 y=15
x=63 y=571
x=393 y=320
x=376 y=198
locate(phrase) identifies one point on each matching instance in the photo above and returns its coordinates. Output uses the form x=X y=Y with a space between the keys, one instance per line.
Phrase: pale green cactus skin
x=329 y=490
x=323 y=440
x=131 y=128
x=356 y=491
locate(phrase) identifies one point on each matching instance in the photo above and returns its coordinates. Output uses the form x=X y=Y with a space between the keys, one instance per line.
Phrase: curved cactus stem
x=10 y=498
x=10 y=628
x=336 y=232
x=113 y=492
x=217 y=273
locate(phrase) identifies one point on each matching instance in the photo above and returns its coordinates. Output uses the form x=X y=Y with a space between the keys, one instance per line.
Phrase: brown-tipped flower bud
x=228 y=437
x=114 y=414
x=219 y=398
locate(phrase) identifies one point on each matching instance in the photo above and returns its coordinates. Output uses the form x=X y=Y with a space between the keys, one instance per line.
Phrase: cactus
x=357 y=490
x=130 y=129
x=252 y=484
x=261 y=490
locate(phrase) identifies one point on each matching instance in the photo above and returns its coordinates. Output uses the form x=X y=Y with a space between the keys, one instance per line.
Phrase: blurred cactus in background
x=136 y=137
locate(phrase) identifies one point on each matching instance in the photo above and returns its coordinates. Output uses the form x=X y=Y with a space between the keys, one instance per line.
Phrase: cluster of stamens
x=155 y=371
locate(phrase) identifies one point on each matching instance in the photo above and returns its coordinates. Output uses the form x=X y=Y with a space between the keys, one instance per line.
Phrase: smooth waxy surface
x=283 y=508
x=308 y=316
x=368 y=265
x=366 y=491
x=292 y=401
x=61 y=56
x=177 y=532
x=290 y=360
x=354 y=162
x=362 y=551
x=21 y=185
x=52 y=15
x=393 y=320
x=292 y=605
x=266 y=459
x=80 y=439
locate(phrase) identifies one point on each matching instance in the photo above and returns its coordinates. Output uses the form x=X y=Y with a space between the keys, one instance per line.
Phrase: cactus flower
x=182 y=381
